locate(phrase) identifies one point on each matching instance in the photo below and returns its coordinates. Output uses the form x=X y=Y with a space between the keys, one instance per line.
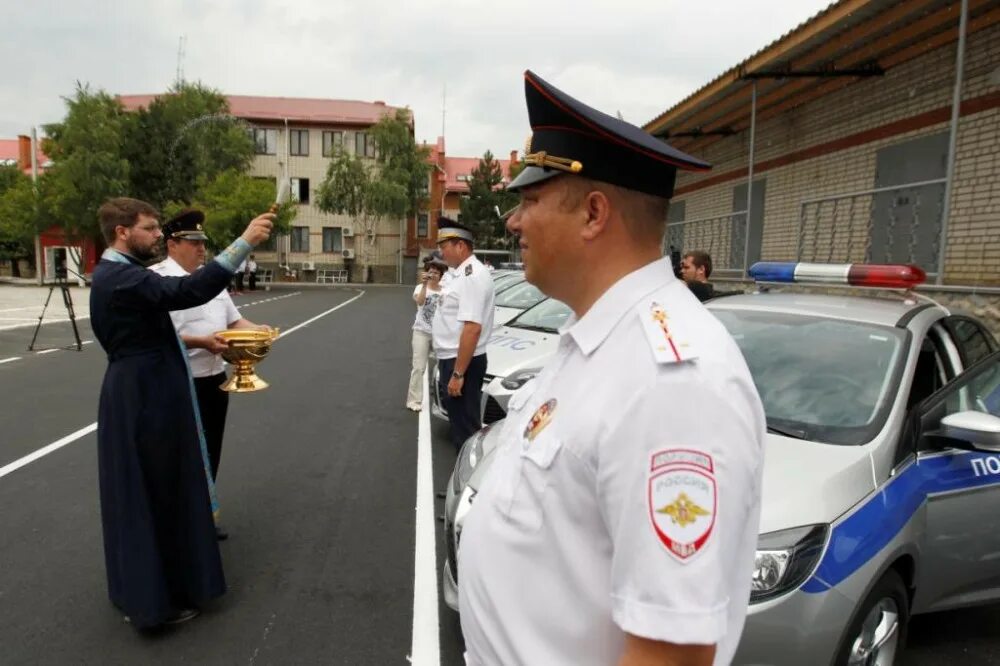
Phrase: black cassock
x=160 y=548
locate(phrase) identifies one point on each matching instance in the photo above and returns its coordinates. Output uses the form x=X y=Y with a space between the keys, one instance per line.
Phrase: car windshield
x=521 y=296
x=504 y=281
x=548 y=316
x=820 y=379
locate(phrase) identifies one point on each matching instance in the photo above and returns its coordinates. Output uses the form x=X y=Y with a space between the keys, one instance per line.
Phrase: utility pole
x=34 y=187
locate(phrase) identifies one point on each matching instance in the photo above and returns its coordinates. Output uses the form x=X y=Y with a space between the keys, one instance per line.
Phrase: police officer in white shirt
x=185 y=240
x=619 y=519
x=461 y=329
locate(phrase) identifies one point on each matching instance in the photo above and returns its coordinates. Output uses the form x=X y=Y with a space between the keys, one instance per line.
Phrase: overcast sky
x=636 y=57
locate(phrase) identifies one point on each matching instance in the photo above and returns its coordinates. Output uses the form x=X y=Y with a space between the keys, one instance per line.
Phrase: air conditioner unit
x=308 y=266
x=347 y=232
x=348 y=254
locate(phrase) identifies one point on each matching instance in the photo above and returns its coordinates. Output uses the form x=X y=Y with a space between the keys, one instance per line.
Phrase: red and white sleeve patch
x=682 y=500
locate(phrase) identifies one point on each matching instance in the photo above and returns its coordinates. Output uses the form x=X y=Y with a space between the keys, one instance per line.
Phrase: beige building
x=847 y=123
x=295 y=138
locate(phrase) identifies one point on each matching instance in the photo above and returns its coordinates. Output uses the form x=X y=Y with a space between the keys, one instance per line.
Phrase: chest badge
x=682 y=500
x=540 y=419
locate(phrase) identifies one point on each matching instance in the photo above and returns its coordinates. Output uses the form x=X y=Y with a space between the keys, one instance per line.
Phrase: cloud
x=636 y=57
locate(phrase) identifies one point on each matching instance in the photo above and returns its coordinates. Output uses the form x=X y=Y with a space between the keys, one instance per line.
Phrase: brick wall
x=902 y=105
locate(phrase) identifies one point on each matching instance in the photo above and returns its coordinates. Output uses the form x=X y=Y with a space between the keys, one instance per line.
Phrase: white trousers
x=422 y=350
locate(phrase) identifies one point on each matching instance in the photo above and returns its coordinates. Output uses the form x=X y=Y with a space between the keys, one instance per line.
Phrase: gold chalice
x=247 y=347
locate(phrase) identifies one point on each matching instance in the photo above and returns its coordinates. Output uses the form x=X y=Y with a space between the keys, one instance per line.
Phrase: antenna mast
x=180 y=59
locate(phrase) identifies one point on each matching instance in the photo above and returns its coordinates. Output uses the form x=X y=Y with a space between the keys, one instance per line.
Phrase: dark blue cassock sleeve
x=149 y=291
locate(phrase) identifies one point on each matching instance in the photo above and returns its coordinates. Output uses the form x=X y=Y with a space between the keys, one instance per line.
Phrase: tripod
x=63 y=287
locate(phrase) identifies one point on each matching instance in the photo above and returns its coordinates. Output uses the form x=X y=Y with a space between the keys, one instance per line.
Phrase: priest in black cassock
x=160 y=548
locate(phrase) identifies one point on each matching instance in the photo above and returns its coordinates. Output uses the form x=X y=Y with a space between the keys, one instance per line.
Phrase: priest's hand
x=259 y=229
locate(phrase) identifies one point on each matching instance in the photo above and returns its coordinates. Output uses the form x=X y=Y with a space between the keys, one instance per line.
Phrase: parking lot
x=318 y=489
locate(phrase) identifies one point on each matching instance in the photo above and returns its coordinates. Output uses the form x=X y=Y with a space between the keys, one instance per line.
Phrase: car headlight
x=516 y=380
x=785 y=559
x=468 y=458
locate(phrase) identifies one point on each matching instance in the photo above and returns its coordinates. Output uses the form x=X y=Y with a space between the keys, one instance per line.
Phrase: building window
x=422 y=227
x=364 y=144
x=333 y=142
x=300 y=190
x=265 y=141
x=300 y=142
x=333 y=239
x=300 y=239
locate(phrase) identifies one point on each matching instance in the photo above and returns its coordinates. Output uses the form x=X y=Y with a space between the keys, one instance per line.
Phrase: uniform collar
x=590 y=331
x=171 y=264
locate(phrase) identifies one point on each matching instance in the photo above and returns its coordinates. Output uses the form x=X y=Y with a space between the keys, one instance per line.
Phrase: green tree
x=89 y=166
x=181 y=140
x=230 y=200
x=18 y=217
x=390 y=187
x=486 y=196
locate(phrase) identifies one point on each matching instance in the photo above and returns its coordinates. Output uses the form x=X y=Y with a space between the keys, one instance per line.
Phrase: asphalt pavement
x=317 y=489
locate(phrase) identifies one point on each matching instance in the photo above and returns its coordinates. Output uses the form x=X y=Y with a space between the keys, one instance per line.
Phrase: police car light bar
x=887 y=276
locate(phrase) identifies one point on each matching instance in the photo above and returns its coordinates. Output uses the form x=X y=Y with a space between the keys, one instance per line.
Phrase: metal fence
x=894 y=224
x=723 y=237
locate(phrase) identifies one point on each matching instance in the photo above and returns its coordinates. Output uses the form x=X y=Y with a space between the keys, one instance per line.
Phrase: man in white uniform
x=619 y=520
x=461 y=329
x=185 y=240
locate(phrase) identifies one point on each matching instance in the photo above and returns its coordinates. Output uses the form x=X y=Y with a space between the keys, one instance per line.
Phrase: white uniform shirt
x=214 y=316
x=468 y=295
x=625 y=495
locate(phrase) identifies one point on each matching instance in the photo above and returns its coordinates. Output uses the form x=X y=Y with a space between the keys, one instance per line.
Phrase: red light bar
x=889 y=276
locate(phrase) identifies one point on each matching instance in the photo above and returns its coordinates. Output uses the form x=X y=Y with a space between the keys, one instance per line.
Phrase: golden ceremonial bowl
x=247 y=347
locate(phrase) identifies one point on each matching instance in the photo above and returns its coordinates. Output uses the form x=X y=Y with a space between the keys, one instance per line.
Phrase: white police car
x=882 y=475
x=514 y=300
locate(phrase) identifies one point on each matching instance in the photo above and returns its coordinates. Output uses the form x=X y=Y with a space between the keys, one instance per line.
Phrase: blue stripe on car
x=864 y=533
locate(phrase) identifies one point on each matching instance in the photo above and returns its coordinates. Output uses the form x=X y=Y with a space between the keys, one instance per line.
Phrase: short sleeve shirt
x=214 y=316
x=468 y=295
x=425 y=312
x=625 y=493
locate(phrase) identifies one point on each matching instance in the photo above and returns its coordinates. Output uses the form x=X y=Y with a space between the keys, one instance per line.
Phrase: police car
x=515 y=353
x=514 y=300
x=881 y=494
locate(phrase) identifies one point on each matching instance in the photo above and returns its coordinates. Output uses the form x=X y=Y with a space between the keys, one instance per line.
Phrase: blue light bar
x=773 y=271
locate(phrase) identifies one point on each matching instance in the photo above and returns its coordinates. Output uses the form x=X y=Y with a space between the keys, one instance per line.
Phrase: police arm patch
x=682 y=500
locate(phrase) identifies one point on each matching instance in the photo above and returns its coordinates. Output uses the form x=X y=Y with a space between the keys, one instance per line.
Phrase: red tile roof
x=295 y=109
x=456 y=167
x=9 y=151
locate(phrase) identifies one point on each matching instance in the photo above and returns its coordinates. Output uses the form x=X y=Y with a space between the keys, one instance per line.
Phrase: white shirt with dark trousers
x=624 y=496
x=208 y=369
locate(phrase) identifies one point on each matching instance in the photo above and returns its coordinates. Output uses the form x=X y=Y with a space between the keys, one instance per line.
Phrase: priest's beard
x=144 y=253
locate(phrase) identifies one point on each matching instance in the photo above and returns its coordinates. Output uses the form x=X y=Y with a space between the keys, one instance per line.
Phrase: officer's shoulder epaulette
x=667 y=335
x=468 y=270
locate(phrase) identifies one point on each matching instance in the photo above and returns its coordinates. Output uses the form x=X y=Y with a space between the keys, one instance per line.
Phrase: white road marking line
x=47 y=351
x=87 y=342
x=86 y=430
x=320 y=315
x=44 y=451
x=29 y=307
x=8 y=360
x=425 y=649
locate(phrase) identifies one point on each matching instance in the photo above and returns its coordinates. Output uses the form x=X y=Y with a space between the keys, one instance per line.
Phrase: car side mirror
x=980 y=429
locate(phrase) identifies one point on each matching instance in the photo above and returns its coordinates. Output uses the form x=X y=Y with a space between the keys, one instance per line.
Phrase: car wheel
x=878 y=631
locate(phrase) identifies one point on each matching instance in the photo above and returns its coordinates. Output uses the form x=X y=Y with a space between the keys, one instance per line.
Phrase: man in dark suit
x=160 y=547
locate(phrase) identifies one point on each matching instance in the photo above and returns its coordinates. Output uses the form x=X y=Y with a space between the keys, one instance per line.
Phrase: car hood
x=510 y=349
x=806 y=483
x=502 y=315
